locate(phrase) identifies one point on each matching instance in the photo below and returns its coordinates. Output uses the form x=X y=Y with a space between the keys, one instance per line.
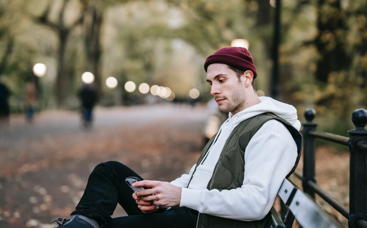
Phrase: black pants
x=106 y=187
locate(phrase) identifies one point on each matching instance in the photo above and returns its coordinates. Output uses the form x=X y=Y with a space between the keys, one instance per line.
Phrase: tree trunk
x=92 y=24
x=331 y=39
x=63 y=33
x=263 y=20
x=62 y=79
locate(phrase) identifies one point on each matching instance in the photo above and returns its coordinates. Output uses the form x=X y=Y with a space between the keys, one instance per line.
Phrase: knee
x=114 y=164
x=109 y=165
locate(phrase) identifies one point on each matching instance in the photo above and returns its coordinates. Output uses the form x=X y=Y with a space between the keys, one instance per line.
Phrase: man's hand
x=144 y=206
x=158 y=193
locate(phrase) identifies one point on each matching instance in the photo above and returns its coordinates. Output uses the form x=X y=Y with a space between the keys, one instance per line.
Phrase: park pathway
x=44 y=166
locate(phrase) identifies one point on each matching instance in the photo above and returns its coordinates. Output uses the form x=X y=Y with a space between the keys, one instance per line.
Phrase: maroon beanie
x=237 y=57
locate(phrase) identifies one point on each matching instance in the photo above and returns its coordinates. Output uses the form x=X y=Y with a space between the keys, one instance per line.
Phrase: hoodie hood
x=268 y=104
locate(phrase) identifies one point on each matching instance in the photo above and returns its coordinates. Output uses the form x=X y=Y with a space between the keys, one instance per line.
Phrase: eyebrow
x=216 y=77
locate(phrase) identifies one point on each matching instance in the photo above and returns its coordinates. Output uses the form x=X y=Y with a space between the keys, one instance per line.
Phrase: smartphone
x=131 y=180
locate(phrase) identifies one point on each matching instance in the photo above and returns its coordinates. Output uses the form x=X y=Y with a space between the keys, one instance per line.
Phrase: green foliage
x=336 y=56
x=323 y=54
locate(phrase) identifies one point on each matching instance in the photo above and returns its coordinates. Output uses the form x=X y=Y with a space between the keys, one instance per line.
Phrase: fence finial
x=359 y=118
x=310 y=115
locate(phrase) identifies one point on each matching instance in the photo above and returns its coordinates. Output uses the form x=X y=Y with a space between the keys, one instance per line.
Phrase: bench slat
x=304 y=209
x=287 y=191
x=276 y=219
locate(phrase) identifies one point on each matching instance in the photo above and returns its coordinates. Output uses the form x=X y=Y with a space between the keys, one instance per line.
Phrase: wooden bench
x=301 y=206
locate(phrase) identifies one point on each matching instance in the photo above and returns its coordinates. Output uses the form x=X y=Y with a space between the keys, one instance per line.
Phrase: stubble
x=235 y=101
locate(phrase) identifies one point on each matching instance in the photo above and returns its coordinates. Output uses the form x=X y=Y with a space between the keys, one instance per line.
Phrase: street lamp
x=87 y=77
x=144 y=88
x=162 y=91
x=240 y=43
x=194 y=93
x=130 y=86
x=153 y=90
x=168 y=92
x=171 y=96
x=39 y=69
x=111 y=82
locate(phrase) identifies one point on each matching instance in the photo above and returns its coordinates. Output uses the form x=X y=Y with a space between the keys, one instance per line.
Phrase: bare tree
x=63 y=32
x=92 y=23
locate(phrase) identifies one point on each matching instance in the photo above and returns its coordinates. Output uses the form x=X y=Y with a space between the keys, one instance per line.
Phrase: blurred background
x=86 y=81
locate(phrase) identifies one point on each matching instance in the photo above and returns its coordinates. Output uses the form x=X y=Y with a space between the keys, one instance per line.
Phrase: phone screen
x=130 y=181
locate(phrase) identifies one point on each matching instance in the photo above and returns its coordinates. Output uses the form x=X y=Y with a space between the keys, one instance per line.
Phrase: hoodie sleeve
x=183 y=181
x=269 y=157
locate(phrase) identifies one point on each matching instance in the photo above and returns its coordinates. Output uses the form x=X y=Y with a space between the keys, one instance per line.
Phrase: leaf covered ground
x=44 y=166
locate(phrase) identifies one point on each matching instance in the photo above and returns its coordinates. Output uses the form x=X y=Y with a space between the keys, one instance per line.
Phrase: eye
x=221 y=80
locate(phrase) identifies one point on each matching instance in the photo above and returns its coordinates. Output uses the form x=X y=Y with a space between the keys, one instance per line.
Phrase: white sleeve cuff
x=190 y=198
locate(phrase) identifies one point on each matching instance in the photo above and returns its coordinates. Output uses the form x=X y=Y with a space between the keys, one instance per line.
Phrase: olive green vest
x=229 y=170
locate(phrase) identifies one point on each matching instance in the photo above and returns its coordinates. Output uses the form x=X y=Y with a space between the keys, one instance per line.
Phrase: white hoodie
x=269 y=157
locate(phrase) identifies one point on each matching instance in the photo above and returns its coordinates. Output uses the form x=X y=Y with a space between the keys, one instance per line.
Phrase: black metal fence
x=357 y=143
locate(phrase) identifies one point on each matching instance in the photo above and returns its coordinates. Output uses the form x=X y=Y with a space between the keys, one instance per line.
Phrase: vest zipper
x=206 y=155
x=197 y=221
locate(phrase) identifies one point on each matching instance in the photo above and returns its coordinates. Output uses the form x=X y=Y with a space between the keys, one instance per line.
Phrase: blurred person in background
x=236 y=179
x=4 y=104
x=88 y=97
x=30 y=98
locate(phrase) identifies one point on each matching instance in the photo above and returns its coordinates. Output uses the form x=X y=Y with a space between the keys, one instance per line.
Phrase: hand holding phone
x=131 y=180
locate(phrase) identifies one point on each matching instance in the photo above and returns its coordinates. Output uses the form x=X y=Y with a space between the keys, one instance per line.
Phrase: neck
x=251 y=99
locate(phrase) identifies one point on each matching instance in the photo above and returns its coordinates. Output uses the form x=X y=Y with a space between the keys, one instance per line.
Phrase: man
x=237 y=177
x=88 y=98
x=31 y=96
x=4 y=104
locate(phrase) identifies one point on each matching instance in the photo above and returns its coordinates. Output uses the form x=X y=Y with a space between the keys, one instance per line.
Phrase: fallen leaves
x=44 y=177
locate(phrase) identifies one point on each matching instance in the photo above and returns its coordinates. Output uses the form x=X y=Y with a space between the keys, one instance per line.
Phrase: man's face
x=227 y=88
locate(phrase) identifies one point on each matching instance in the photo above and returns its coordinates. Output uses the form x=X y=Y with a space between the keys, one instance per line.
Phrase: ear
x=247 y=78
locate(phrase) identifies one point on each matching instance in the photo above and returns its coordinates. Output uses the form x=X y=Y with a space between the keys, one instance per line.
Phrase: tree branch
x=5 y=57
x=62 y=13
x=43 y=19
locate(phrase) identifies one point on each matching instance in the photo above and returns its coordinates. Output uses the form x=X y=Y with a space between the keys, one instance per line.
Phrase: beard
x=234 y=102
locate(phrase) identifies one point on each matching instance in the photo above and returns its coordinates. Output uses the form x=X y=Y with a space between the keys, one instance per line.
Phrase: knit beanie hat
x=237 y=57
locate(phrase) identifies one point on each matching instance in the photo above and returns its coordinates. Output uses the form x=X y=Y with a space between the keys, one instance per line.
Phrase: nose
x=215 y=89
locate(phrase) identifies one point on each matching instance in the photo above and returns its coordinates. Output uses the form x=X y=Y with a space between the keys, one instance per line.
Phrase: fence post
x=358 y=175
x=308 y=152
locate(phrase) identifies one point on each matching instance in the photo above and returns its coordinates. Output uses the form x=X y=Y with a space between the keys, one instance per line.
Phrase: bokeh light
x=194 y=93
x=171 y=97
x=158 y=91
x=162 y=91
x=240 y=43
x=144 y=88
x=260 y=93
x=111 y=82
x=153 y=90
x=130 y=86
x=87 y=77
x=39 y=69
x=272 y=3
x=168 y=92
